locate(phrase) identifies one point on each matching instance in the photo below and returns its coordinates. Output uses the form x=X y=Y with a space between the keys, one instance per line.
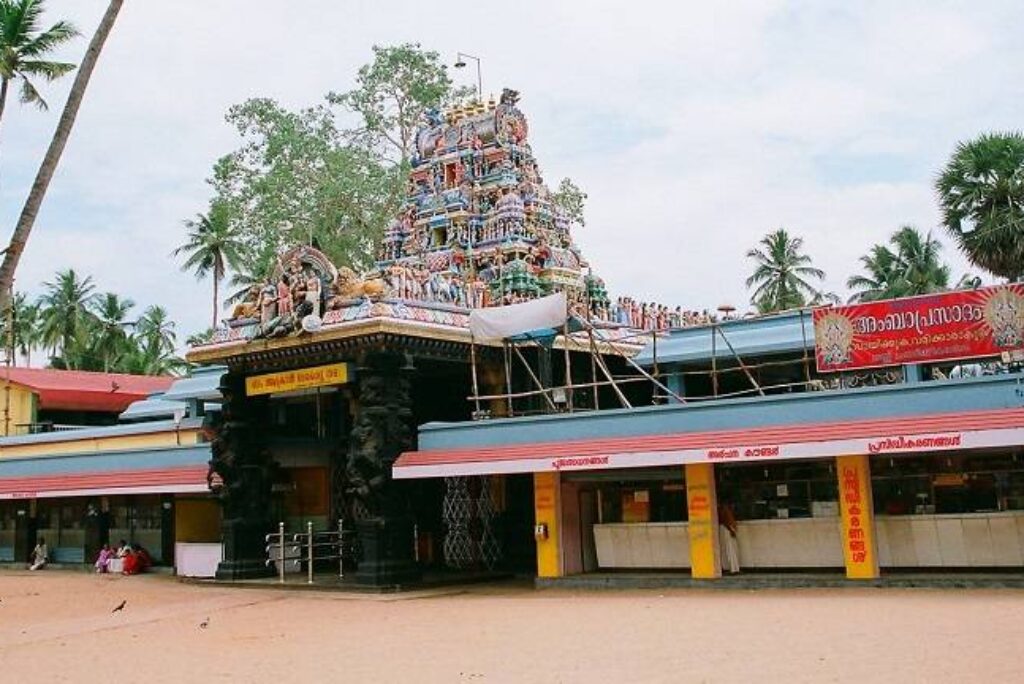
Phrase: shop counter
x=642 y=545
x=962 y=540
x=790 y=543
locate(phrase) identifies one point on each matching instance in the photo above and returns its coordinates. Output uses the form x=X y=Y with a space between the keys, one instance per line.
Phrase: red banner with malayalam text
x=949 y=325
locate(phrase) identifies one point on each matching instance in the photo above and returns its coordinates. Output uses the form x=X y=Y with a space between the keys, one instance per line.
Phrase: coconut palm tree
x=27 y=218
x=213 y=246
x=911 y=266
x=781 y=273
x=981 y=193
x=155 y=330
x=923 y=270
x=24 y=334
x=882 y=279
x=24 y=48
x=65 y=311
x=111 y=334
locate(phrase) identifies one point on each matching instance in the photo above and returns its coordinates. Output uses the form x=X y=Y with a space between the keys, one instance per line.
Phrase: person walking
x=730 y=551
x=40 y=555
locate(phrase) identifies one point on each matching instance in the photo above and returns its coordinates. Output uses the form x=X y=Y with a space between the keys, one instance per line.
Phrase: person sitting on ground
x=145 y=560
x=103 y=561
x=40 y=555
x=122 y=549
x=130 y=562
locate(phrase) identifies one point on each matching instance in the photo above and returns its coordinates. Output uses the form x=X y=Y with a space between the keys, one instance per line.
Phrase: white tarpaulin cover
x=500 y=322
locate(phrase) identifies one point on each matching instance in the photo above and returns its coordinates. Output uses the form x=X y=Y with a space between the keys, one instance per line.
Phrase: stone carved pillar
x=242 y=461
x=382 y=429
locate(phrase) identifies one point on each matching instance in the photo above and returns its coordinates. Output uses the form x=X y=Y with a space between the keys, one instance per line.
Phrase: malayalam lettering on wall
x=950 y=325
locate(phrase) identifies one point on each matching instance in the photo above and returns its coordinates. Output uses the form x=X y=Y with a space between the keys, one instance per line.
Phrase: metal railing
x=308 y=548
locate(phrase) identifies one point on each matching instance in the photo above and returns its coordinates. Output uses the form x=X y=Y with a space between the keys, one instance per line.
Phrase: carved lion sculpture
x=348 y=285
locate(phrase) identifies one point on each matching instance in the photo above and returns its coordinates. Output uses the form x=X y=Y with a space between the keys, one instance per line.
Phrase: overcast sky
x=695 y=128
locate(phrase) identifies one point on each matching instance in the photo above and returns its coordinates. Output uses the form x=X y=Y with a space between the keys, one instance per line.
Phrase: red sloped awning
x=177 y=480
x=907 y=434
x=85 y=391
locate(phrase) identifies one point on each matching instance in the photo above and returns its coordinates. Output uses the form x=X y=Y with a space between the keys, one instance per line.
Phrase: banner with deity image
x=925 y=329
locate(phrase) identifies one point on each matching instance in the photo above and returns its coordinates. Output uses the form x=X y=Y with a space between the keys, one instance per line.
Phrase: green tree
x=27 y=218
x=981 y=193
x=781 y=274
x=24 y=49
x=110 y=336
x=296 y=179
x=213 y=245
x=571 y=200
x=923 y=269
x=65 y=311
x=254 y=271
x=24 y=335
x=393 y=93
x=909 y=265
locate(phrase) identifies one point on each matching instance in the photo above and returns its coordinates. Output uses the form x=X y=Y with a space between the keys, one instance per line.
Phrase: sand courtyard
x=58 y=626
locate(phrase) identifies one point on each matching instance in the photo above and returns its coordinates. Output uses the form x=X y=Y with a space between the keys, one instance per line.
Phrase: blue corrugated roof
x=204 y=385
x=788 y=332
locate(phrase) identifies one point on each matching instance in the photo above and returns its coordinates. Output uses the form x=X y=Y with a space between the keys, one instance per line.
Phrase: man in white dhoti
x=730 y=550
x=40 y=555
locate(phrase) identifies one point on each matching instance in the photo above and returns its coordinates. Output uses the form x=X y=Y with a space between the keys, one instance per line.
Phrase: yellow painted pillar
x=702 y=506
x=858 y=517
x=547 y=515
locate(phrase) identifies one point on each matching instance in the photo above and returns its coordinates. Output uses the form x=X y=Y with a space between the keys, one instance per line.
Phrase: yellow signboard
x=858 y=518
x=303 y=378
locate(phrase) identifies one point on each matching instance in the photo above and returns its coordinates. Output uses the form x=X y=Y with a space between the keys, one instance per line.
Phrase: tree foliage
x=570 y=199
x=909 y=265
x=212 y=246
x=392 y=94
x=297 y=179
x=81 y=329
x=981 y=193
x=24 y=48
x=782 y=273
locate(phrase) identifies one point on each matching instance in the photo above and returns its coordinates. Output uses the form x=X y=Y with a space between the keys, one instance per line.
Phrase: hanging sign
x=949 y=325
x=303 y=378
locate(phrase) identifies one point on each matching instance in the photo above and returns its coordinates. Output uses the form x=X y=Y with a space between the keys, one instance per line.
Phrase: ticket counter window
x=798 y=489
x=642 y=502
x=948 y=483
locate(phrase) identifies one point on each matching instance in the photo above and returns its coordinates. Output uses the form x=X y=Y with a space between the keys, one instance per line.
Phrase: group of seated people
x=131 y=558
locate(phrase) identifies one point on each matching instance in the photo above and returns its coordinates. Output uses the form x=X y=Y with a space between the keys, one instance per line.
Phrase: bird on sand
x=204 y=624
x=120 y=606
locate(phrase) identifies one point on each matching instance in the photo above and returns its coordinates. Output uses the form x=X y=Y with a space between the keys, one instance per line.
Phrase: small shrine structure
x=328 y=372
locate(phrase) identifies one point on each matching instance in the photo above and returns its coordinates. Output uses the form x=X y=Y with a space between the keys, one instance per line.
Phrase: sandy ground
x=58 y=627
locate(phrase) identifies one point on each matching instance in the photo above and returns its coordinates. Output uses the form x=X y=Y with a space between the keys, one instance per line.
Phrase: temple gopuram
x=329 y=372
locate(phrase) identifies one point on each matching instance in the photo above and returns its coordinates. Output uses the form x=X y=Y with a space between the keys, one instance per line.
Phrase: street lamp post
x=460 y=63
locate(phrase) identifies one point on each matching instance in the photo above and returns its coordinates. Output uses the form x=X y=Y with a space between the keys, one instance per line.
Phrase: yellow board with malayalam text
x=858 y=517
x=300 y=379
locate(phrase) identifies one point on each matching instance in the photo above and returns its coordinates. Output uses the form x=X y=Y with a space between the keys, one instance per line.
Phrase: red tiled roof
x=83 y=390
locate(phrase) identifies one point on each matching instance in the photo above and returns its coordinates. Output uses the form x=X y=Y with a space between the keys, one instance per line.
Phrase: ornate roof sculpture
x=478 y=228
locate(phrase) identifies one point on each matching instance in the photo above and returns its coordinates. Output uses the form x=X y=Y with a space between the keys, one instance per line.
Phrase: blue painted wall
x=103 y=462
x=967 y=394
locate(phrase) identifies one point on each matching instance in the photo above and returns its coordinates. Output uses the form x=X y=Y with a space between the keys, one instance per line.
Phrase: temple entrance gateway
x=478 y=229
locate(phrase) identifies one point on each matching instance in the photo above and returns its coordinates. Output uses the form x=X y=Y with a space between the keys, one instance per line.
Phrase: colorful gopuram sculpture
x=478 y=228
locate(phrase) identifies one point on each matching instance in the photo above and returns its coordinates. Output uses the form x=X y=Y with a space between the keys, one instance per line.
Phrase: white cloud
x=695 y=128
